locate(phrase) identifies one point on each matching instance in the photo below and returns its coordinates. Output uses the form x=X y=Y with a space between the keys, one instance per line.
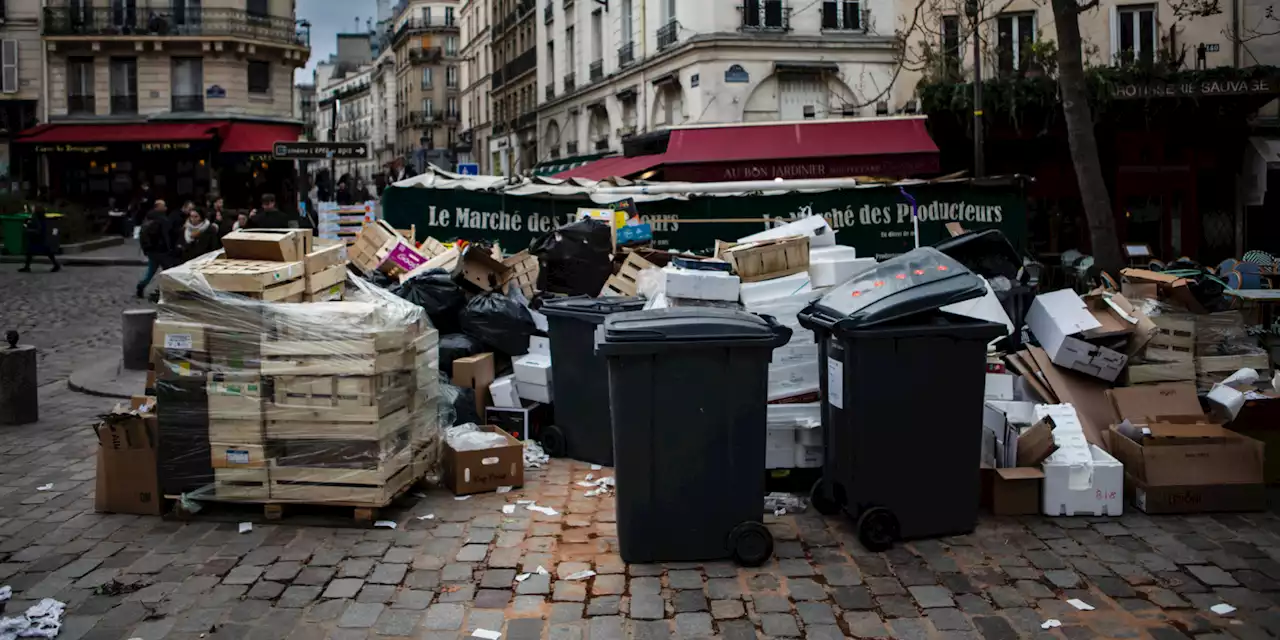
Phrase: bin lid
x=590 y=309
x=919 y=281
x=686 y=324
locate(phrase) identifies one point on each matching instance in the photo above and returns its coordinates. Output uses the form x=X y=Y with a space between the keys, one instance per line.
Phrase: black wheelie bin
x=687 y=388
x=902 y=398
x=582 y=428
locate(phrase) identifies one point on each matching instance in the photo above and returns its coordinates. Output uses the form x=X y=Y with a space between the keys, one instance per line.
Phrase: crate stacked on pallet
x=326 y=271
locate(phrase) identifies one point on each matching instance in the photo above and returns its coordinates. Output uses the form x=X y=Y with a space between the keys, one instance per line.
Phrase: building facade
x=513 y=35
x=304 y=97
x=21 y=54
x=352 y=99
x=428 y=105
x=382 y=143
x=477 y=68
x=634 y=66
x=135 y=95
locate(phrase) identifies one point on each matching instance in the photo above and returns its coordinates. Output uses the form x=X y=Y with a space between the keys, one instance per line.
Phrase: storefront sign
x=899 y=165
x=166 y=146
x=875 y=220
x=1258 y=86
x=71 y=148
x=736 y=74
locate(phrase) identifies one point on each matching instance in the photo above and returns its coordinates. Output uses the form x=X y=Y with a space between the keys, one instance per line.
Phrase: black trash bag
x=381 y=279
x=454 y=346
x=575 y=259
x=438 y=295
x=461 y=405
x=501 y=323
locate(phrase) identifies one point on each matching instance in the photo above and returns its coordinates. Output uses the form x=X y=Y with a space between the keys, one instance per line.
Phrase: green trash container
x=15 y=237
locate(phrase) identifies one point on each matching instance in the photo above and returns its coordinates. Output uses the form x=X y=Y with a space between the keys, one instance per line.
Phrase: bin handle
x=781 y=333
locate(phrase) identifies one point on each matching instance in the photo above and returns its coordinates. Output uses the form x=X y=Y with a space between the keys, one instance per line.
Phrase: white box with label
x=1073 y=491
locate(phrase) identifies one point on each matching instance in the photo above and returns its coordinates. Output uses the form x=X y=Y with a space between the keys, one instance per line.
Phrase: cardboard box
x=701 y=285
x=480 y=270
x=767 y=259
x=475 y=372
x=1192 y=468
x=503 y=392
x=276 y=245
x=1143 y=403
x=1171 y=288
x=1064 y=324
x=1036 y=444
x=126 y=480
x=178 y=336
x=468 y=472
x=533 y=369
x=1013 y=491
x=1160 y=372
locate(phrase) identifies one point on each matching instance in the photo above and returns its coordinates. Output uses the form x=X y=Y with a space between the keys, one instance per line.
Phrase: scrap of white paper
x=419 y=494
x=522 y=577
x=524 y=502
x=508 y=509
x=460 y=498
x=1050 y=624
x=6 y=592
x=543 y=510
x=503 y=489
x=429 y=516
x=1222 y=609
x=1080 y=604
x=596 y=467
x=541 y=570
x=486 y=634
x=246 y=527
x=584 y=483
x=590 y=476
x=45 y=487
x=780 y=511
x=386 y=524
x=581 y=575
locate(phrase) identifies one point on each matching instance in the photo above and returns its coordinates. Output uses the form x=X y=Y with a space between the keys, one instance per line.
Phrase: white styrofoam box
x=999 y=386
x=809 y=435
x=830 y=266
x=800 y=413
x=1066 y=495
x=540 y=345
x=796 y=284
x=504 y=393
x=1019 y=414
x=701 y=285
x=533 y=368
x=534 y=392
x=808 y=457
x=987 y=308
x=816 y=227
x=779 y=447
x=1054 y=319
x=784 y=310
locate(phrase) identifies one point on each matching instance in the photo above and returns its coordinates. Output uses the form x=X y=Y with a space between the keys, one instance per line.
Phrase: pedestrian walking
x=143 y=203
x=39 y=237
x=268 y=217
x=199 y=236
x=156 y=241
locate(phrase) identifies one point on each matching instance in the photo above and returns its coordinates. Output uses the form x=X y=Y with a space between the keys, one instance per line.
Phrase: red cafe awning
x=613 y=167
x=257 y=137
x=135 y=132
x=890 y=147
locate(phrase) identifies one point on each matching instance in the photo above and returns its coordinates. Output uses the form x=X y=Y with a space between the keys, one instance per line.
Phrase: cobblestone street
x=126 y=577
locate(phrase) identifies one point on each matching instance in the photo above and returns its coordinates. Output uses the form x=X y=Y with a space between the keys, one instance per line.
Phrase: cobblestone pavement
x=72 y=316
x=126 y=577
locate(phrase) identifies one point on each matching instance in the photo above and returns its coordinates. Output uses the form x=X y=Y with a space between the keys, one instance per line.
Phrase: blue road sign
x=468 y=169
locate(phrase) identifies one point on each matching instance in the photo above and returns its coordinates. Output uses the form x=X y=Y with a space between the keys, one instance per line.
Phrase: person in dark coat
x=268 y=217
x=199 y=236
x=39 y=237
x=156 y=241
x=220 y=218
x=143 y=204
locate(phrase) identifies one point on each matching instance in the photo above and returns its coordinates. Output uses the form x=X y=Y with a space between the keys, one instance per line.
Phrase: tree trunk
x=1084 y=146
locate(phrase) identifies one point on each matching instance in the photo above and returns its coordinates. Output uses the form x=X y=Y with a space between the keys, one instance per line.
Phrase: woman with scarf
x=199 y=236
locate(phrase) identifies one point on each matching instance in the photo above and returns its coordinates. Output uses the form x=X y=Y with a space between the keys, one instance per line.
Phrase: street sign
x=319 y=150
x=468 y=169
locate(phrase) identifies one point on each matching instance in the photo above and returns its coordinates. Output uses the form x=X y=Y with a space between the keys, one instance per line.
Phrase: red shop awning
x=257 y=137
x=890 y=147
x=613 y=167
x=135 y=132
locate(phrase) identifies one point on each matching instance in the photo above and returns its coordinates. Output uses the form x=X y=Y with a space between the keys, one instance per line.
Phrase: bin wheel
x=751 y=543
x=820 y=501
x=553 y=442
x=877 y=529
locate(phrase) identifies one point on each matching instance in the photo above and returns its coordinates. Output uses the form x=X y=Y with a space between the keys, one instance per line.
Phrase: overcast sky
x=328 y=18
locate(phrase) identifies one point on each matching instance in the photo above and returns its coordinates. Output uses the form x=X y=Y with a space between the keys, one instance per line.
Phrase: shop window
x=1015 y=35
x=1134 y=33
x=259 y=76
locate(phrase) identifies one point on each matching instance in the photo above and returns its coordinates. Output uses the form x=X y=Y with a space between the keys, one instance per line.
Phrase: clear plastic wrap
x=264 y=398
x=1225 y=334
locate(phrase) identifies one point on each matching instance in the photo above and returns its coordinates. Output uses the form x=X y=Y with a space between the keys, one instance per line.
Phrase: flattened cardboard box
x=468 y=472
x=1142 y=403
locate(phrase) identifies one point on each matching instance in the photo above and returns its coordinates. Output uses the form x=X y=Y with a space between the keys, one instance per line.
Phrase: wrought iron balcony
x=568 y=83
x=81 y=105
x=124 y=105
x=525 y=7
x=596 y=70
x=130 y=21
x=425 y=55
x=845 y=16
x=551 y=90
x=626 y=54
x=548 y=13
x=765 y=15
x=418 y=24
x=523 y=63
x=668 y=34
x=424 y=118
x=187 y=104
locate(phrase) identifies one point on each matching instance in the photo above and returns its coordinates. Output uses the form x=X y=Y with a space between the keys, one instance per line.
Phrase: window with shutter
x=9 y=70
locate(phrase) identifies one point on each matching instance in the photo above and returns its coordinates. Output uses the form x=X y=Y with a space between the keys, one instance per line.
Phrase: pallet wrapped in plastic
x=264 y=399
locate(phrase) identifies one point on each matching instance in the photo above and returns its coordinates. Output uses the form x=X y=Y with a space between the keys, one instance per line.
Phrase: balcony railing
x=527 y=120
x=626 y=54
x=548 y=13
x=668 y=34
x=596 y=70
x=130 y=21
x=424 y=118
x=568 y=83
x=551 y=90
x=571 y=147
x=497 y=79
x=849 y=17
x=424 y=24
x=765 y=15
x=425 y=55
x=452 y=116
x=81 y=105
x=523 y=63
x=187 y=104
x=124 y=104
x=602 y=144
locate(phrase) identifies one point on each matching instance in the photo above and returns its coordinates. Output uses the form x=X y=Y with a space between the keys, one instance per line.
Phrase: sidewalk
x=124 y=254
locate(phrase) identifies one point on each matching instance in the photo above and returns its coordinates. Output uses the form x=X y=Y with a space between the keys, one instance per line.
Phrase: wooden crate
x=335 y=423
x=524 y=273
x=375 y=487
x=382 y=393
x=1211 y=370
x=358 y=357
x=241 y=484
x=1157 y=372
x=259 y=279
x=1174 y=339
x=432 y=248
x=237 y=455
x=767 y=259
x=624 y=283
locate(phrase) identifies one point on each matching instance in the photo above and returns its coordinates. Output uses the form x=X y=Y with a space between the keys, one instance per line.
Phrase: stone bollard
x=136 y=338
x=19 y=403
